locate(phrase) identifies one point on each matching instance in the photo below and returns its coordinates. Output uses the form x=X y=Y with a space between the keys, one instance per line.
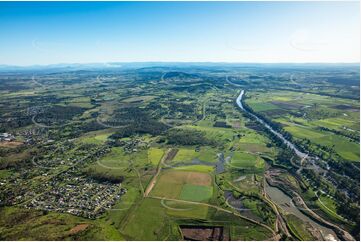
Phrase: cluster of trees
x=128 y=115
x=188 y=137
x=349 y=210
x=328 y=154
x=12 y=85
x=201 y=87
x=17 y=120
x=103 y=176
x=151 y=127
x=178 y=107
x=137 y=121
x=285 y=155
x=216 y=109
x=57 y=113
x=180 y=75
x=275 y=126
x=10 y=161
x=91 y=126
x=221 y=124
x=316 y=113
x=317 y=180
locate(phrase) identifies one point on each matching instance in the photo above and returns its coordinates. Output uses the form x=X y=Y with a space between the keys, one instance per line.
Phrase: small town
x=80 y=196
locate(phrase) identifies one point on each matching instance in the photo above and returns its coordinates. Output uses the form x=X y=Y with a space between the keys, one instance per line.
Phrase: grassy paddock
x=196 y=193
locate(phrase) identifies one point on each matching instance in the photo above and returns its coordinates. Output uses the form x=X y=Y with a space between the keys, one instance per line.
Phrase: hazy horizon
x=165 y=63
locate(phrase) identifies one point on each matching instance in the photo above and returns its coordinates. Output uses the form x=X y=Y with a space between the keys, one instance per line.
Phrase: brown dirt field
x=79 y=228
x=198 y=178
x=187 y=177
x=11 y=144
x=203 y=233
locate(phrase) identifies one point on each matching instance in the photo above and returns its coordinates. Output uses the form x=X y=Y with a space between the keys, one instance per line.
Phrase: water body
x=278 y=196
x=220 y=163
x=279 y=135
x=284 y=201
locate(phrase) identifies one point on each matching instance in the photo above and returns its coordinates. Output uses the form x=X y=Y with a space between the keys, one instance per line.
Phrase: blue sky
x=88 y=32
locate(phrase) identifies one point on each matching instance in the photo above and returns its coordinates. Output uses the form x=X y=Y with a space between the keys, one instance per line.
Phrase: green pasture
x=207 y=154
x=118 y=162
x=198 y=168
x=148 y=222
x=328 y=206
x=214 y=133
x=155 y=155
x=345 y=148
x=170 y=184
x=249 y=232
x=298 y=228
x=185 y=210
x=96 y=137
x=246 y=160
x=261 y=106
x=196 y=193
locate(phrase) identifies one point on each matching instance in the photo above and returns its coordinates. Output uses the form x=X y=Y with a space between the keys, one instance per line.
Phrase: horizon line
x=173 y=62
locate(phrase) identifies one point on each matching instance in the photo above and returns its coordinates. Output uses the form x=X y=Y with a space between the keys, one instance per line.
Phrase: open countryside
x=180 y=121
x=220 y=154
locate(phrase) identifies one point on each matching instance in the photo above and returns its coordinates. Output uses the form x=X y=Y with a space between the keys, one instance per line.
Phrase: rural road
x=280 y=223
x=339 y=231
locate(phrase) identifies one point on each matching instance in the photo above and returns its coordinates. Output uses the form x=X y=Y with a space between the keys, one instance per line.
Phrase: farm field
x=245 y=160
x=174 y=183
x=180 y=121
x=164 y=153
x=325 y=121
x=196 y=193
x=206 y=154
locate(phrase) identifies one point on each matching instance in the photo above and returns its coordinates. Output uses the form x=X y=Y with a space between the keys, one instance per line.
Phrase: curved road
x=275 y=236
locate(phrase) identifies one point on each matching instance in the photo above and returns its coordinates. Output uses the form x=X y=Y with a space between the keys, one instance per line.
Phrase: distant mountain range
x=131 y=65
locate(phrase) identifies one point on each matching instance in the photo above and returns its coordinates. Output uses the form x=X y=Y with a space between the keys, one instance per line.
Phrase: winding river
x=288 y=143
x=278 y=196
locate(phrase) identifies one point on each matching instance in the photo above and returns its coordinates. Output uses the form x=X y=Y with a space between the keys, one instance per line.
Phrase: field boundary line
x=218 y=208
x=152 y=183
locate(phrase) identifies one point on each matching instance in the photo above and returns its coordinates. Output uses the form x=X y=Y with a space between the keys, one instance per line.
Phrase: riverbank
x=280 y=194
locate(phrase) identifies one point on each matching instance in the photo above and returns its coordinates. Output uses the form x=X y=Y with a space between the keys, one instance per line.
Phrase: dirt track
x=169 y=155
x=275 y=236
